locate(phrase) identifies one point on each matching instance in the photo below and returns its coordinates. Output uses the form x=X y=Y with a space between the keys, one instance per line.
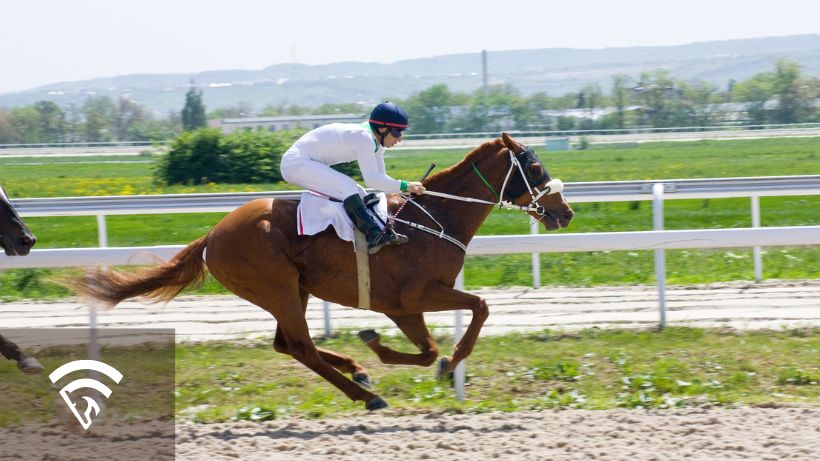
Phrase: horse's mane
x=484 y=150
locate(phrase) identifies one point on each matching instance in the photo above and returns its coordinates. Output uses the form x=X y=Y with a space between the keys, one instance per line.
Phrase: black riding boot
x=363 y=220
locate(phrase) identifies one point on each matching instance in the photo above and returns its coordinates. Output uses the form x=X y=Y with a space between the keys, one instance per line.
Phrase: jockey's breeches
x=318 y=177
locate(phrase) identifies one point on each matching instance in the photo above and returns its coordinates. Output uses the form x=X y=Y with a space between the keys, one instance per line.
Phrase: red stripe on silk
x=397 y=125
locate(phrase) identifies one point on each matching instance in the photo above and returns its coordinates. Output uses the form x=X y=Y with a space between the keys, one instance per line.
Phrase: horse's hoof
x=376 y=404
x=368 y=336
x=30 y=366
x=441 y=370
x=362 y=380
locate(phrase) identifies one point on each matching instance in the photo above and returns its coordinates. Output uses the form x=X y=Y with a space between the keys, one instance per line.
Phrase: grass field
x=592 y=369
x=36 y=177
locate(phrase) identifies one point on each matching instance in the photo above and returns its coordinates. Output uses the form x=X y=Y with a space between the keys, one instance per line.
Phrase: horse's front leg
x=415 y=329
x=27 y=363
x=444 y=298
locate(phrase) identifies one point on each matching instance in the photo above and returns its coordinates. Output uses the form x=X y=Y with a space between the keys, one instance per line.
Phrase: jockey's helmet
x=389 y=115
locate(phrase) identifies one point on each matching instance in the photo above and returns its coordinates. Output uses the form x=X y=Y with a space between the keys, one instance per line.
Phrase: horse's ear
x=511 y=143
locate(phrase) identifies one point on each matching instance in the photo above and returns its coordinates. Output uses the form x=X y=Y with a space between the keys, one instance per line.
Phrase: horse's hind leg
x=414 y=327
x=295 y=331
x=341 y=362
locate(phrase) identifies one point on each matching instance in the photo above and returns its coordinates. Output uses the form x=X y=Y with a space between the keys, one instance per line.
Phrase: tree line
x=652 y=99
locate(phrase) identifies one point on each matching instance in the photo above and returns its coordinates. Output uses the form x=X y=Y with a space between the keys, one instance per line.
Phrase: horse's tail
x=106 y=288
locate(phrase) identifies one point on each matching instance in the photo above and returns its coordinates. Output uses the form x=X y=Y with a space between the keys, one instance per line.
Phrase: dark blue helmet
x=388 y=115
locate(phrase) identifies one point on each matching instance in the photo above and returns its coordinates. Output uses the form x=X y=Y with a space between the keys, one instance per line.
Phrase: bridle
x=553 y=186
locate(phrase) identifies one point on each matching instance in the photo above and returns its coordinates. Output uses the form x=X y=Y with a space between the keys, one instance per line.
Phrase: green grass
x=594 y=369
x=36 y=177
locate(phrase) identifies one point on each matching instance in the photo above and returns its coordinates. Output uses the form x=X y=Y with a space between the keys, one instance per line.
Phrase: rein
x=554 y=186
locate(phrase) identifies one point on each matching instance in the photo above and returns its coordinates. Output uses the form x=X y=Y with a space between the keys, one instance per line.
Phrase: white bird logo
x=93 y=407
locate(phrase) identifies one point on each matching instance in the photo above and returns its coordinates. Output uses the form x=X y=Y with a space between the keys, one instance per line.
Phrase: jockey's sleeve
x=372 y=167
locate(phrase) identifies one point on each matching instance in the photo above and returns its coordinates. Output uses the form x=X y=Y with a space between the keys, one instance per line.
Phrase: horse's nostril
x=568 y=214
x=27 y=241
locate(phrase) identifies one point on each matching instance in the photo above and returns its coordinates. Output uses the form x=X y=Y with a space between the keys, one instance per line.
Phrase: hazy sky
x=47 y=41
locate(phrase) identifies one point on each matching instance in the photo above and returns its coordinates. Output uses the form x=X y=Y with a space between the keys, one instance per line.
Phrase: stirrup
x=387 y=238
x=400 y=239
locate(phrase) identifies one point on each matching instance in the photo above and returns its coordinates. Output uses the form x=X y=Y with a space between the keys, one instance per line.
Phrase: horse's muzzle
x=20 y=247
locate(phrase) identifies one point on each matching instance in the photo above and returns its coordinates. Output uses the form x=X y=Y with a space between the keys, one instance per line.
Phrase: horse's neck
x=462 y=220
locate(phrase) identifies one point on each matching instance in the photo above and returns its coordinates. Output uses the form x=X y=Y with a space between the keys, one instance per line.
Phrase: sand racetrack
x=680 y=434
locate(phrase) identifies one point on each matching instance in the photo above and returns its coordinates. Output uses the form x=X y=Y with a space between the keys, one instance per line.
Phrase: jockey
x=307 y=164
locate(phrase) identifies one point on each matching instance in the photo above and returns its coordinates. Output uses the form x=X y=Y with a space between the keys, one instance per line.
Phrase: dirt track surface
x=690 y=434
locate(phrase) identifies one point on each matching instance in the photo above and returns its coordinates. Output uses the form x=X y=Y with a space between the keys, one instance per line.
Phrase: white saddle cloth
x=316 y=212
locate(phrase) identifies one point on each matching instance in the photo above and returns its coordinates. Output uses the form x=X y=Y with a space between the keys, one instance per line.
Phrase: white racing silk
x=316 y=212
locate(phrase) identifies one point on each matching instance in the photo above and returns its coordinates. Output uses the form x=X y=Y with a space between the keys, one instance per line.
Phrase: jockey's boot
x=363 y=220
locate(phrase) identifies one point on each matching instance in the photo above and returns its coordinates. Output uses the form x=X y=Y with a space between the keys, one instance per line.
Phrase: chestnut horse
x=255 y=252
x=16 y=240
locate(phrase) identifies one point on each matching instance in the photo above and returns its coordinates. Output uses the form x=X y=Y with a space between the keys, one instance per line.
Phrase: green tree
x=698 y=101
x=74 y=123
x=129 y=120
x=193 y=114
x=5 y=127
x=430 y=109
x=660 y=99
x=537 y=104
x=795 y=93
x=99 y=114
x=590 y=97
x=620 y=98
x=755 y=93
x=25 y=125
x=52 y=122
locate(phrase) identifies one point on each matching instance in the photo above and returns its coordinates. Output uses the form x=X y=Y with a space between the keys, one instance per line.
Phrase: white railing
x=612 y=191
x=488 y=245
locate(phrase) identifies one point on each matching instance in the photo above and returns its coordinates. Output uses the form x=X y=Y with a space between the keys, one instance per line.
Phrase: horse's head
x=552 y=209
x=15 y=237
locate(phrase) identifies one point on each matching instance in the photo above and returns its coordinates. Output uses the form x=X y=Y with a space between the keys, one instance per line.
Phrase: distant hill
x=552 y=70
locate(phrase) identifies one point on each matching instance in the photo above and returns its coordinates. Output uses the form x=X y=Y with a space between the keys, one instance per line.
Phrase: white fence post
x=326 y=310
x=660 y=254
x=458 y=374
x=756 y=253
x=93 y=345
x=536 y=259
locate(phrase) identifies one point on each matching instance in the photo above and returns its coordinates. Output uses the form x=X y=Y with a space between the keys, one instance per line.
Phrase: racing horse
x=16 y=240
x=256 y=253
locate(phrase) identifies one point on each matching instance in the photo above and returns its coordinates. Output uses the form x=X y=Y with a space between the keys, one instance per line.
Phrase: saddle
x=316 y=212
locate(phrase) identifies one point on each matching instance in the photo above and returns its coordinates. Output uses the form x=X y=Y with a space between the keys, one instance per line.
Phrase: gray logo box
x=136 y=422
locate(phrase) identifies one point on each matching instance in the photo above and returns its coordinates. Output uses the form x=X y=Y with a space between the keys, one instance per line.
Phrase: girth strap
x=362 y=269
